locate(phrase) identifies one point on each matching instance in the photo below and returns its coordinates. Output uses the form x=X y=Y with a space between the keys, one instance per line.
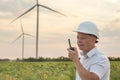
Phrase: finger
x=70 y=55
x=69 y=50
x=75 y=48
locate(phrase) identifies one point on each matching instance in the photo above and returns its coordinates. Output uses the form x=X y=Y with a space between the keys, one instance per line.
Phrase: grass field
x=46 y=70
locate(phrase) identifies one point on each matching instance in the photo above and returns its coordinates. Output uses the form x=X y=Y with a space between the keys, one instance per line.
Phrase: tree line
x=41 y=59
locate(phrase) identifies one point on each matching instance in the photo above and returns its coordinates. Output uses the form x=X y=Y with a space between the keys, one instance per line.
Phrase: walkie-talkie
x=70 y=45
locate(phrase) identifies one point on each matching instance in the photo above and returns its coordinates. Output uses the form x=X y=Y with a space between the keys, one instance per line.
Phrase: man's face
x=85 y=42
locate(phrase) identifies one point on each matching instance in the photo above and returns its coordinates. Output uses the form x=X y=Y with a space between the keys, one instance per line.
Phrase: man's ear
x=94 y=39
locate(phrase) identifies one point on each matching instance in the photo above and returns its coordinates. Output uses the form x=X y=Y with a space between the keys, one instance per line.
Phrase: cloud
x=5 y=14
x=9 y=7
x=14 y=8
x=110 y=41
x=109 y=32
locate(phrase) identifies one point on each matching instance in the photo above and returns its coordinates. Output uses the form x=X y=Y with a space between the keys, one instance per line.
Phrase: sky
x=55 y=29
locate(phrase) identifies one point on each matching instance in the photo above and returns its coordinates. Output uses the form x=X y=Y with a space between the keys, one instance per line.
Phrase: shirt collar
x=90 y=53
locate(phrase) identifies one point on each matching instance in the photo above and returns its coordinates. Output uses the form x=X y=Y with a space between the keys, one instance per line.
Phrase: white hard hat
x=88 y=27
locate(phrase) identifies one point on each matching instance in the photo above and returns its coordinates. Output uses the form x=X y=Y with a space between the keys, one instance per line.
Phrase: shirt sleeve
x=99 y=68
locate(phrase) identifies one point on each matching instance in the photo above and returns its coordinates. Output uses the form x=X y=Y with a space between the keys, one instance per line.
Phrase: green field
x=46 y=70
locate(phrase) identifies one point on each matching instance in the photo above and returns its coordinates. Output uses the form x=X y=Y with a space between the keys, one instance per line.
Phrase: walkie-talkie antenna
x=70 y=45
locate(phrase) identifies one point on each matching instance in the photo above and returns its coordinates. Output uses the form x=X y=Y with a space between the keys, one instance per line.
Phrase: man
x=93 y=64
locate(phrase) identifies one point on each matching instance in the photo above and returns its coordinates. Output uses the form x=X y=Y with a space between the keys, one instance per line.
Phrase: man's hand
x=73 y=54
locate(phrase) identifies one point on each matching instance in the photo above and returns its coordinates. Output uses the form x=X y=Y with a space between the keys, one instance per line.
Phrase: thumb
x=75 y=49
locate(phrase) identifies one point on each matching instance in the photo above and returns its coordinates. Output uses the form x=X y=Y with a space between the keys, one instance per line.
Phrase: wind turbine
x=23 y=36
x=37 y=24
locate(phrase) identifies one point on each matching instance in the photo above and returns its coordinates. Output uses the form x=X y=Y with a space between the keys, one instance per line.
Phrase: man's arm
x=83 y=73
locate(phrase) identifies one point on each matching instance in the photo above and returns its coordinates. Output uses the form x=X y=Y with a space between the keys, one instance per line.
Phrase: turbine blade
x=17 y=38
x=29 y=35
x=24 y=13
x=21 y=27
x=51 y=9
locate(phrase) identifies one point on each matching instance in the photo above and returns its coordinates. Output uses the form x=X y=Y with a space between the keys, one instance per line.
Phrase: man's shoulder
x=101 y=55
x=95 y=53
x=100 y=58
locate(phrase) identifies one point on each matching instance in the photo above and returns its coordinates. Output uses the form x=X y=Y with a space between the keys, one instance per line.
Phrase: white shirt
x=97 y=63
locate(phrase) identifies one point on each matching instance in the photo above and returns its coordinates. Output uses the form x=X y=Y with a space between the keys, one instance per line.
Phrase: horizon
x=49 y=57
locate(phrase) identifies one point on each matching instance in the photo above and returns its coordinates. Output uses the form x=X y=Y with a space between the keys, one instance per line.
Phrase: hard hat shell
x=88 y=27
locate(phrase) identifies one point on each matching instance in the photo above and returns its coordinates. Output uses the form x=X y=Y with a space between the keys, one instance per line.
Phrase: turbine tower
x=37 y=24
x=23 y=37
